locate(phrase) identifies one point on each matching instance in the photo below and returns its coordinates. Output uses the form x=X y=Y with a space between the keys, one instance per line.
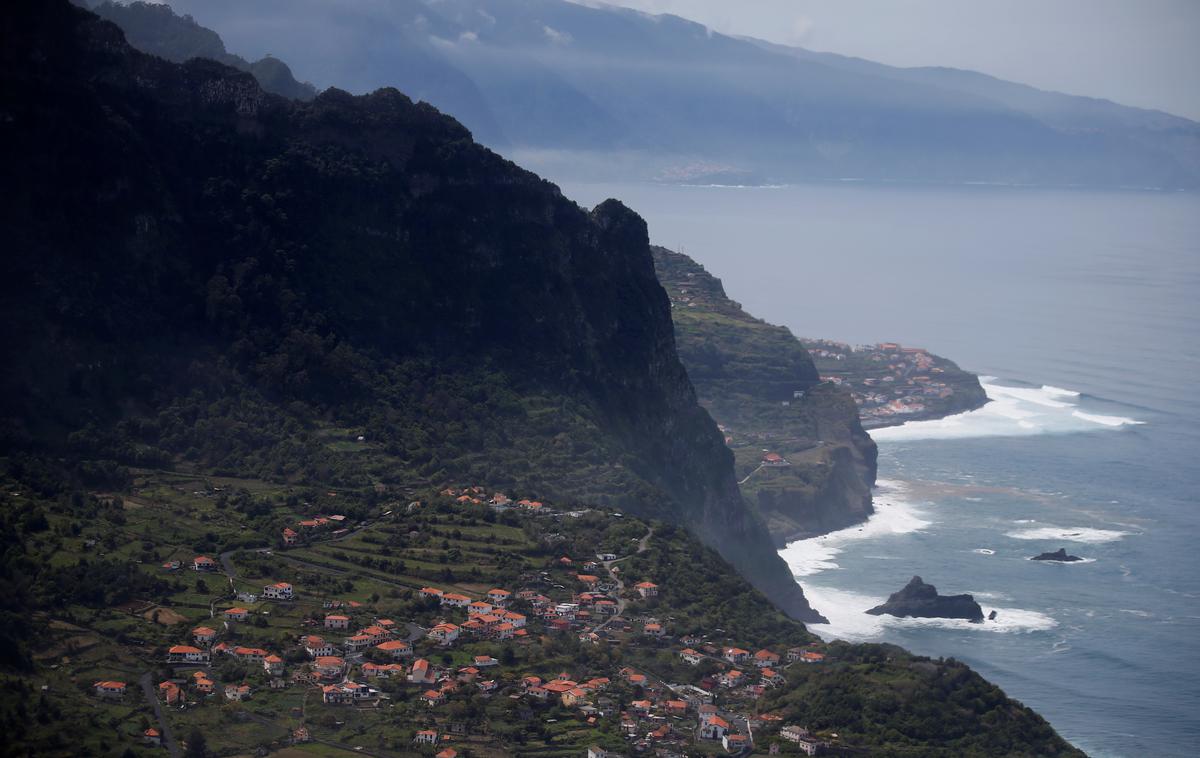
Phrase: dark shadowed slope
x=202 y=274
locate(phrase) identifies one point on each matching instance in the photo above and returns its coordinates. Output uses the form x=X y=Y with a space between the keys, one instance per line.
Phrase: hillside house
x=646 y=589
x=735 y=654
x=109 y=689
x=765 y=658
x=455 y=600
x=329 y=667
x=187 y=654
x=422 y=672
x=337 y=621
x=444 y=633
x=203 y=563
x=691 y=656
x=278 y=591
x=237 y=692
x=499 y=597
x=273 y=664
x=236 y=614
x=426 y=737
x=714 y=728
x=395 y=648
x=317 y=646
x=203 y=635
x=170 y=693
x=290 y=536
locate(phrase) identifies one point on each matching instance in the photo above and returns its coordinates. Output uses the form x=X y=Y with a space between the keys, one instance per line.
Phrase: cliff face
x=761 y=385
x=207 y=274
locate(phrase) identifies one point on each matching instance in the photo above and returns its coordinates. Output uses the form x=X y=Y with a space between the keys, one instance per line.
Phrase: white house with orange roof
x=426 y=737
x=765 y=659
x=204 y=635
x=203 y=563
x=329 y=667
x=236 y=614
x=273 y=664
x=499 y=596
x=735 y=654
x=395 y=648
x=337 y=621
x=455 y=600
x=317 y=646
x=186 y=654
x=422 y=672
x=290 y=536
x=646 y=589
x=445 y=633
x=278 y=591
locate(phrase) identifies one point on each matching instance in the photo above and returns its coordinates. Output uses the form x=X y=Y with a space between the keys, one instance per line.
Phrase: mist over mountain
x=593 y=91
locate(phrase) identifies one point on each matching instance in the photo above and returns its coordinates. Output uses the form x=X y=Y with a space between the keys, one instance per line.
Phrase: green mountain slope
x=761 y=385
x=203 y=275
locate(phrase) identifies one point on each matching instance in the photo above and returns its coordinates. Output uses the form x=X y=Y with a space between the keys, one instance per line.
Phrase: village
x=891 y=383
x=464 y=644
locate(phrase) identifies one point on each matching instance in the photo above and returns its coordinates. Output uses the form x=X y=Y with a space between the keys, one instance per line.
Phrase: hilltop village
x=325 y=637
x=892 y=384
x=446 y=653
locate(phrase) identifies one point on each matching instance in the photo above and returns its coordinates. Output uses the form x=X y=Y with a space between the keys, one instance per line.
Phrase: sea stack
x=921 y=600
x=1059 y=555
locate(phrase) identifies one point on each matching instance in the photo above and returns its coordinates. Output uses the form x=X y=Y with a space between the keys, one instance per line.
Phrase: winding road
x=168 y=739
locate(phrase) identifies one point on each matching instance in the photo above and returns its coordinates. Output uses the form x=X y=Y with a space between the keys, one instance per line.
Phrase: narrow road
x=643 y=543
x=227 y=565
x=752 y=473
x=168 y=740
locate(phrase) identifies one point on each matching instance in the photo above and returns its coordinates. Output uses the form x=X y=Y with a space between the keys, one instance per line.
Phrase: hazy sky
x=1136 y=52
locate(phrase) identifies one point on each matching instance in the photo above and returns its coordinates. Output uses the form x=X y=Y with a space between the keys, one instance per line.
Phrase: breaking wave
x=893 y=515
x=1012 y=412
x=1083 y=534
x=848 y=619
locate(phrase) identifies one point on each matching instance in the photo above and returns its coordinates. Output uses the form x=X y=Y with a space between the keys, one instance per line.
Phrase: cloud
x=557 y=37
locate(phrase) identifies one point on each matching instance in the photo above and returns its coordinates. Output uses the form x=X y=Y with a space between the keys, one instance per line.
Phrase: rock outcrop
x=1059 y=555
x=921 y=600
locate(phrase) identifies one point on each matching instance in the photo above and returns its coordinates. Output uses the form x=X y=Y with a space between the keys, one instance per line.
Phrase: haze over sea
x=1083 y=309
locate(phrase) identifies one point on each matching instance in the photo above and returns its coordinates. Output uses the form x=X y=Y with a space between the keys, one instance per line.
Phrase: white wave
x=1096 y=418
x=848 y=619
x=1084 y=534
x=893 y=515
x=984 y=551
x=1012 y=412
x=1052 y=390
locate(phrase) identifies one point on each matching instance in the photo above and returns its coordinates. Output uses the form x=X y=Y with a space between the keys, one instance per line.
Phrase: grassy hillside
x=83 y=566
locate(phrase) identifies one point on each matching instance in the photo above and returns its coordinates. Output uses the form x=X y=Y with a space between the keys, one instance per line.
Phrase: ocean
x=1081 y=310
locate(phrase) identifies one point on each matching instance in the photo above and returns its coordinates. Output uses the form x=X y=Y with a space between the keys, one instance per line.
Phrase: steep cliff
x=760 y=384
x=204 y=275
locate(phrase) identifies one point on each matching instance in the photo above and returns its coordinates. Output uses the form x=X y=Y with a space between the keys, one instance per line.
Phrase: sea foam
x=1083 y=534
x=893 y=515
x=848 y=619
x=1012 y=412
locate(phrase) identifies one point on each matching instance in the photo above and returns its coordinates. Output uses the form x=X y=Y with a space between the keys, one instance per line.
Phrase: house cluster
x=498 y=501
x=308 y=528
x=486 y=619
x=886 y=379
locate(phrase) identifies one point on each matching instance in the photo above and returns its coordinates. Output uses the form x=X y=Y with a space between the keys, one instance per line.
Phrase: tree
x=197 y=745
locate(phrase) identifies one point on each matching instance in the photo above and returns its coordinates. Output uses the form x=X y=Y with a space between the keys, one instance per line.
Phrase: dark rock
x=921 y=600
x=1059 y=555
